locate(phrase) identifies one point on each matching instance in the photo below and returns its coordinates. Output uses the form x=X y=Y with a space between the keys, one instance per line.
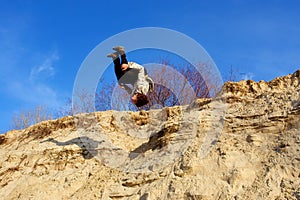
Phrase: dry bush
x=173 y=86
x=26 y=118
x=170 y=89
x=81 y=102
x=232 y=74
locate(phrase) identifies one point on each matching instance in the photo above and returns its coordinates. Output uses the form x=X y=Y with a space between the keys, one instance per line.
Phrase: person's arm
x=151 y=83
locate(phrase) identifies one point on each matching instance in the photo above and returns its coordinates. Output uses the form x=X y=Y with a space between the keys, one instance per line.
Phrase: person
x=131 y=73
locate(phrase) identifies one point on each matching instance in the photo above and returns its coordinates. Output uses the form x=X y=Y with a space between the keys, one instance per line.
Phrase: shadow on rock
x=88 y=145
x=157 y=140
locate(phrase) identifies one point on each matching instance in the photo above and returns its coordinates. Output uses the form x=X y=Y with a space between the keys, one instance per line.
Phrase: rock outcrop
x=243 y=144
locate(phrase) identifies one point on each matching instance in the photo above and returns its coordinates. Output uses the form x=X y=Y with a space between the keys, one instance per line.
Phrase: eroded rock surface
x=244 y=144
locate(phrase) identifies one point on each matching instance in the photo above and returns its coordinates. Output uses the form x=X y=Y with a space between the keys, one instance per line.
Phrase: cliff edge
x=243 y=144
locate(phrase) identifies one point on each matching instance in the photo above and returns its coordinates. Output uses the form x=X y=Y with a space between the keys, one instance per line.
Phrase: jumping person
x=131 y=73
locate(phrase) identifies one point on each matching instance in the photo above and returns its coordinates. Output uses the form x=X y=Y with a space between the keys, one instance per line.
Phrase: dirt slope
x=244 y=144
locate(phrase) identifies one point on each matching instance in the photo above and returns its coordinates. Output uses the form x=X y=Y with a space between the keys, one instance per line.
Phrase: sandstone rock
x=243 y=144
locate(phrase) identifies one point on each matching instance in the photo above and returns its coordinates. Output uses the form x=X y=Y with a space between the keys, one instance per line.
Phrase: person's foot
x=113 y=55
x=119 y=49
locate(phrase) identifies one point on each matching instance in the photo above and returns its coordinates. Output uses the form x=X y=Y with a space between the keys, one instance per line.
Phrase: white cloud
x=24 y=73
x=30 y=87
x=45 y=70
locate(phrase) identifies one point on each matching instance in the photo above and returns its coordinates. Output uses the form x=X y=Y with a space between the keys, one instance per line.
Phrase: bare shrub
x=26 y=118
x=201 y=81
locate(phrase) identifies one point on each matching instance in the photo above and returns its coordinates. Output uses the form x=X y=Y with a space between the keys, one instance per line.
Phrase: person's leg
x=128 y=76
x=117 y=66
x=124 y=59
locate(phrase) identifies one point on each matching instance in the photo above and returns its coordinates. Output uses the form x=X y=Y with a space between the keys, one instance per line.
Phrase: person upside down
x=131 y=73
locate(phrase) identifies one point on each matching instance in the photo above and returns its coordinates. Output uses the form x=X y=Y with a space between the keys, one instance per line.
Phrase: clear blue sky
x=43 y=43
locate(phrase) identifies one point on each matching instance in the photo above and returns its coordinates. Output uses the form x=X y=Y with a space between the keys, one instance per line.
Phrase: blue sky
x=43 y=43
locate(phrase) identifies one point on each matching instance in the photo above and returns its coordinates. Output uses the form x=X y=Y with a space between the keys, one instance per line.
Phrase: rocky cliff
x=243 y=144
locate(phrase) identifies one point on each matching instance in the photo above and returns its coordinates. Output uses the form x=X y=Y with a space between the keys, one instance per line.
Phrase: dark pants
x=117 y=62
x=128 y=76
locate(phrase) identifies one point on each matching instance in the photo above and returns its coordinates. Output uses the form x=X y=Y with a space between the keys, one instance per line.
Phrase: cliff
x=243 y=144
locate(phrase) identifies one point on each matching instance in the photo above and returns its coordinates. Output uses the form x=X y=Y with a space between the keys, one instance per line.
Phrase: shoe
x=119 y=49
x=113 y=55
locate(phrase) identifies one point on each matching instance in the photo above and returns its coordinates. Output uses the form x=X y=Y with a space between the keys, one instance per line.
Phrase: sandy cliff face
x=244 y=144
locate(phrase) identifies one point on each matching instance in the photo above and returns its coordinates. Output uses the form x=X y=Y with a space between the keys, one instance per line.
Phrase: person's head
x=139 y=99
x=124 y=67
